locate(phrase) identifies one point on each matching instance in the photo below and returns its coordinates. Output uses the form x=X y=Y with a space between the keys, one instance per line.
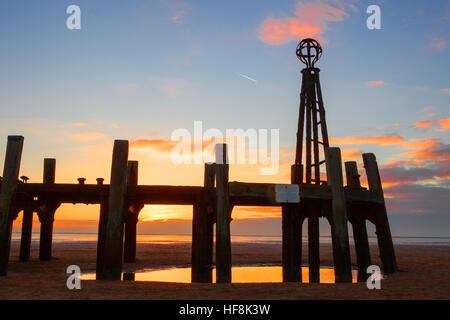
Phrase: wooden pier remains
x=308 y=196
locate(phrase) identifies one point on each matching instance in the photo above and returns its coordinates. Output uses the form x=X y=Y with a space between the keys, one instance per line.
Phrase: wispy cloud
x=310 y=21
x=386 y=140
x=438 y=44
x=87 y=136
x=446 y=90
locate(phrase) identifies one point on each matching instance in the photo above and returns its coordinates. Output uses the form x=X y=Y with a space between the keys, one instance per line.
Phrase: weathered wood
x=351 y=171
x=47 y=213
x=223 y=240
x=339 y=231
x=27 y=228
x=292 y=219
x=313 y=246
x=102 y=223
x=7 y=194
x=116 y=210
x=383 y=231
x=203 y=231
x=358 y=223
x=361 y=247
x=129 y=252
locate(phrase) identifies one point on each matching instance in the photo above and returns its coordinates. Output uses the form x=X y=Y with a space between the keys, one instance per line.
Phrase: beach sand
x=425 y=274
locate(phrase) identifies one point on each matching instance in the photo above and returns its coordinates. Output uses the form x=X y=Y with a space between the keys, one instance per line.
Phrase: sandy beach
x=425 y=274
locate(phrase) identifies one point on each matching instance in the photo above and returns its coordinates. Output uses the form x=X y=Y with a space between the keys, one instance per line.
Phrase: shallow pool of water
x=239 y=274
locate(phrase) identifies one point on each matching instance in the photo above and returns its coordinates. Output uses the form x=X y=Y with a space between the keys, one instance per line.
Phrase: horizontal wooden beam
x=241 y=193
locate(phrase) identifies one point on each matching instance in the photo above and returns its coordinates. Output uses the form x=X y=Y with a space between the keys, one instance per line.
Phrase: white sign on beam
x=287 y=193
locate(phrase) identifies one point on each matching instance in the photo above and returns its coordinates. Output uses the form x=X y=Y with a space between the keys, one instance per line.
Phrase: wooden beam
x=129 y=254
x=313 y=245
x=102 y=223
x=383 y=230
x=339 y=231
x=292 y=220
x=27 y=228
x=223 y=240
x=116 y=209
x=47 y=213
x=358 y=224
x=203 y=232
x=351 y=172
x=7 y=194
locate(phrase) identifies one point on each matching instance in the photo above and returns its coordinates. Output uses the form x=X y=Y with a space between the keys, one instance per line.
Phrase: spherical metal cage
x=309 y=51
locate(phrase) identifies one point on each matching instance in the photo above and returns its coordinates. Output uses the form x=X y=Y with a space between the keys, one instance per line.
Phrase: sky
x=139 y=70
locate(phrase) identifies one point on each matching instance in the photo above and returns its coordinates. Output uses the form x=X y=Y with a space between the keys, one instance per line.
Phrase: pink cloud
x=375 y=83
x=438 y=44
x=446 y=90
x=311 y=21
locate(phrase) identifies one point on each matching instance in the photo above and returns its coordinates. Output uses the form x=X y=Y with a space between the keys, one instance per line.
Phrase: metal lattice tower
x=312 y=127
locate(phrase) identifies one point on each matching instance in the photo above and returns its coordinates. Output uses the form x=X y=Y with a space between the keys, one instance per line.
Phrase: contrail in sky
x=246 y=77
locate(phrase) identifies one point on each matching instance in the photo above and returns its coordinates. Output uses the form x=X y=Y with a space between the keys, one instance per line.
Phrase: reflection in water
x=239 y=275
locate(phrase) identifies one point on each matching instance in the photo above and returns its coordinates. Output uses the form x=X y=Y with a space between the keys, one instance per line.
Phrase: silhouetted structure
x=122 y=200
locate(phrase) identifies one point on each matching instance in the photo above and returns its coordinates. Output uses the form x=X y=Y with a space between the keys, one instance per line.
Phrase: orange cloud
x=375 y=83
x=351 y=154
x=444 y=124
x=386 y=140
x=310 y=22
x=446 y=90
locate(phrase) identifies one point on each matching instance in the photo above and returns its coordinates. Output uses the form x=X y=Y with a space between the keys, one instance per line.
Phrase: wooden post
x=102 y=223
x=112 y=265
x=129 y=254
x=351 y=172
x=27 y=228
x=313 y=245
x=339 y=230
x=292 y=220
x=358 y=224
x=383 y=231
x=202 y=232
x=223 y=240
x=7 y=195
x=47 y=214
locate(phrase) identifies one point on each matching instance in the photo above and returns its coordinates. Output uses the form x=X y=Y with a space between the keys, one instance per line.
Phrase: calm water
x=170 y=239
x=239 y=274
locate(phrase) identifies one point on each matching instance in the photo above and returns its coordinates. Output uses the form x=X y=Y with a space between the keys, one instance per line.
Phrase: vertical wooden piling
x=7 y=195
x=223 y=240
x=313 y=245
x=202 y=232
x=129 y=253
x=292 y=220
x=27 y=228
x=102 y=223
x=358 y=224
x=339 y=230
x=47 y=214
x=112 y=264
x=383 y=231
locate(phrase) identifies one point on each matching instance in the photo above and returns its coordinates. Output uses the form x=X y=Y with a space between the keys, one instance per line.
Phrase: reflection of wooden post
x=129 y=253
x=27 y=228
x=292 y=219
x=7 y=195
x=339 y=231
x=383 y=230
x=112 y=264
x=223 y=240
x=358 y=224
x=47 y=214
x=202 y=232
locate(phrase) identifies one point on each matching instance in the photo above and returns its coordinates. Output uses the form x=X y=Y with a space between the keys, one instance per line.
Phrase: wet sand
x=425 y=274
